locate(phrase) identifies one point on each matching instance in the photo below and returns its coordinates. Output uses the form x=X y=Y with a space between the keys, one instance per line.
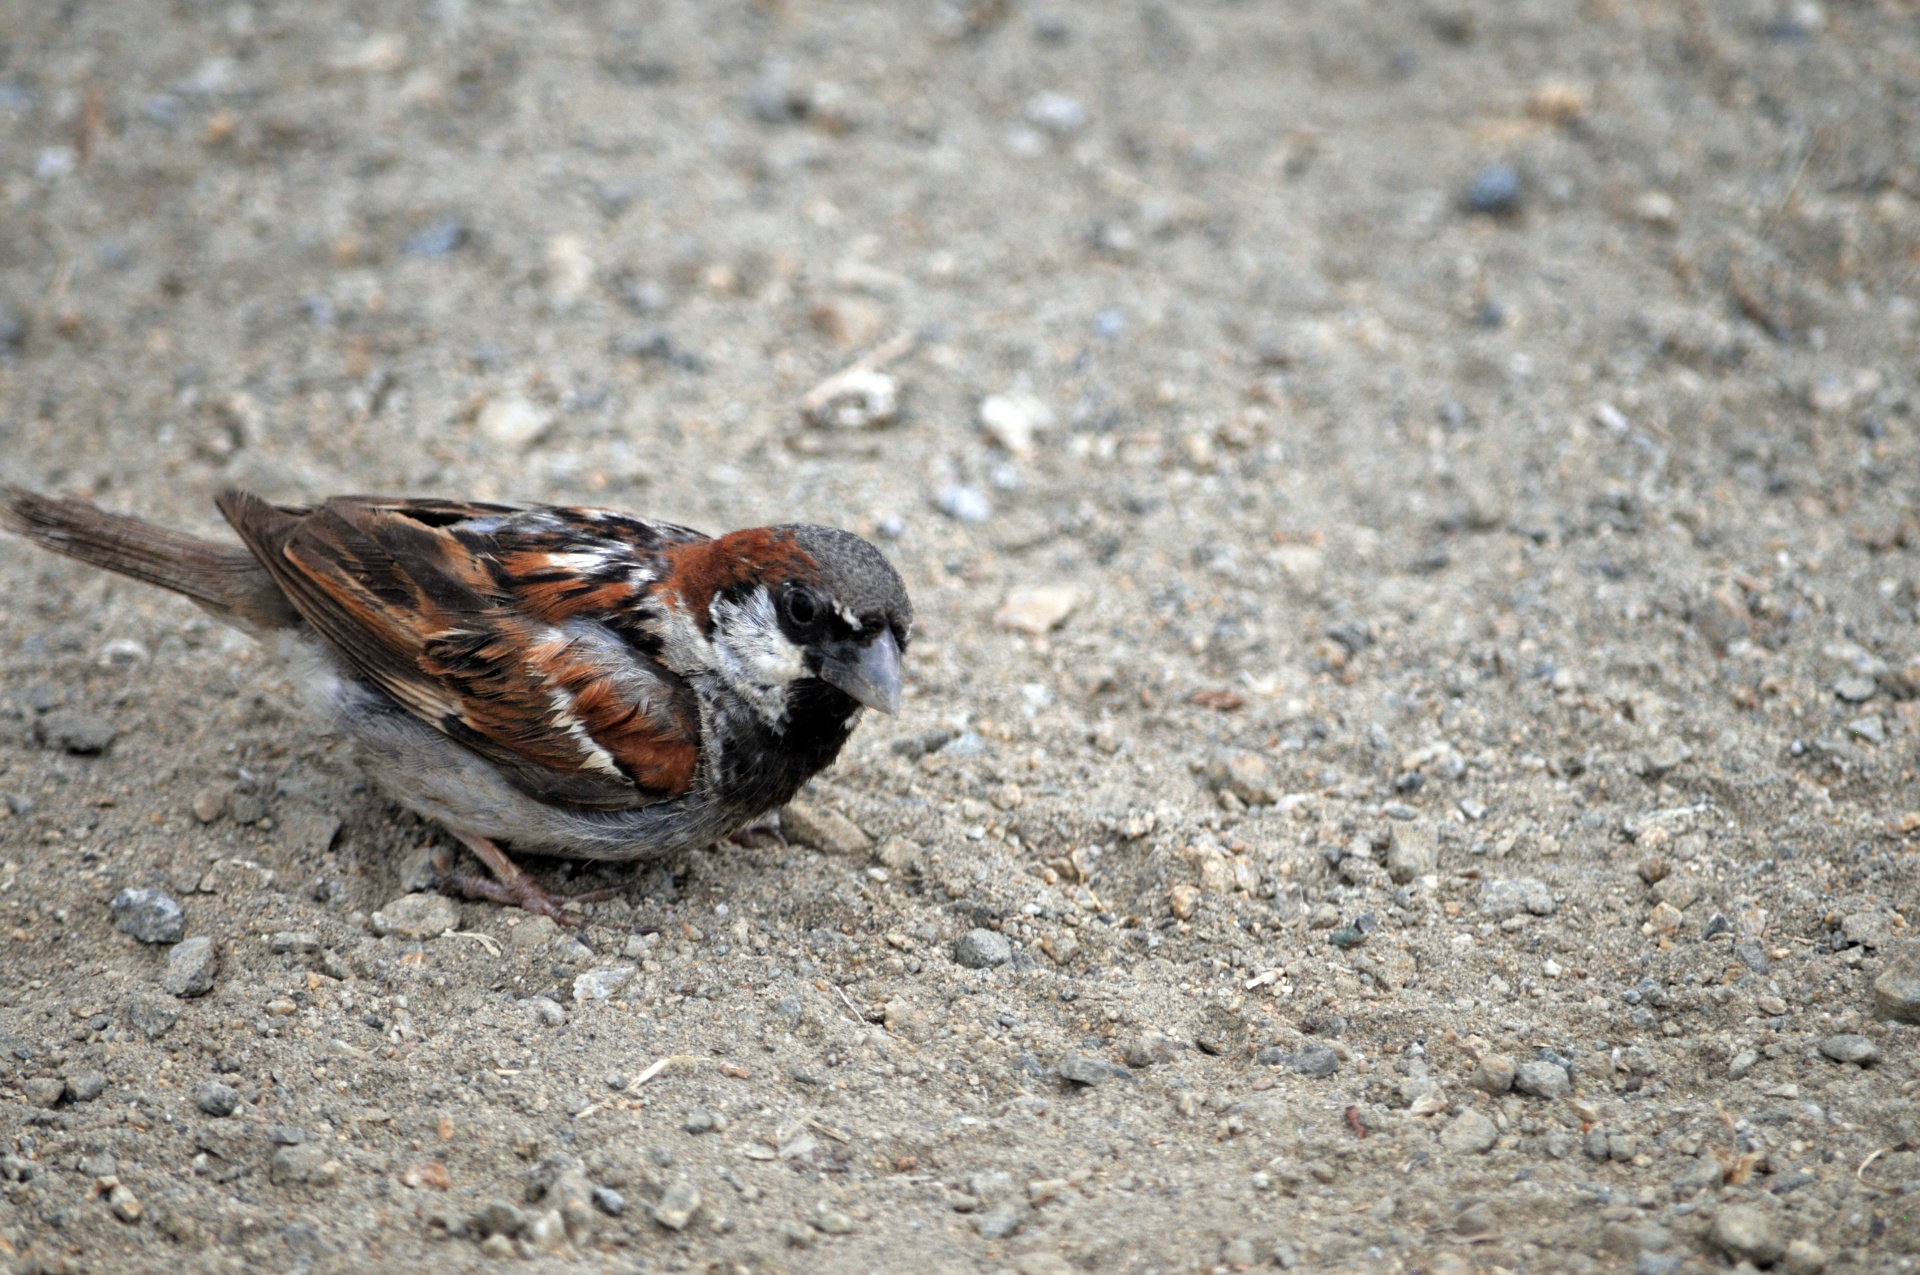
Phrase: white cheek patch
x=753 y=655
x=853 y=621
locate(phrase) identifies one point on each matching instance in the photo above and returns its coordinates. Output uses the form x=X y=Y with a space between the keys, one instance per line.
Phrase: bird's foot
x=511 y=885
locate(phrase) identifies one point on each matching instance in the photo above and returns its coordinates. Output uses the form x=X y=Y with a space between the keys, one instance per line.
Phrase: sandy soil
x=1456 y=463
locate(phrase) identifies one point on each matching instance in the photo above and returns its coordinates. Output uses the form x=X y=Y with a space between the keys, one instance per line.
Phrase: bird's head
x=811 y=620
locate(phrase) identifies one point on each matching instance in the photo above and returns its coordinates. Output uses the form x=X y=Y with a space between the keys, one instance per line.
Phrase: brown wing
x=520 y=632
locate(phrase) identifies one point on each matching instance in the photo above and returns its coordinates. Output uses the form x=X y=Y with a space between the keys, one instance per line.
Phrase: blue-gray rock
x=1496 y=191
x=981 y=949
x=609 y=1201
x=437 y=240
x=148 y=915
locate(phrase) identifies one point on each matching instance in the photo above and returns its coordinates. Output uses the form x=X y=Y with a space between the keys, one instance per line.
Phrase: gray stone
x=1502 y=899
x=148 y=915
x=1543 y=1080
x=1743 y=1064
x=1085 y=1069
x=151 y=1016
x=602 y=984
x=190 y=968
x=981 y=949
x=44 y=1091
x=80 y=733
x=699 y=1121
x=1896 y=991
x=1413 y=854
x=1851 y=1048
x=216 y=1099
x=1317 y=1061
x=677 y=1206
x=1855 y=688
x=1470 y=1133
x=286 y=1135
x=1868 y=929
x=1493 y=1074
x=609 y=1201
x=1747 y=1231
x=417 y=916
x=85 y=1086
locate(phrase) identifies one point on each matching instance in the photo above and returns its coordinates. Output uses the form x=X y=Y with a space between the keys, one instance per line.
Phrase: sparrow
x=572 y=682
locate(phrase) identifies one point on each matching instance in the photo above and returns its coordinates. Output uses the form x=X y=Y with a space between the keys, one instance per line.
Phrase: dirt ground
x=1408 y=759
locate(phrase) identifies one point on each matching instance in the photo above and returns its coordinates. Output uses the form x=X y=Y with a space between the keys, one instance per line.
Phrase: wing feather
x=510 y=629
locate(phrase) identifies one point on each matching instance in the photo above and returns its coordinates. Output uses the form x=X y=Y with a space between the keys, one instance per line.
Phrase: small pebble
x=609 y=1201
x=148 y=915
x=85 y=1086
x=1084 y=1069
x=416 y=916
x=1001 y=1221
x=1493 y=1074
x=1470 y=1133
x=190 y=968
x=1896 y=990
x=216 y=1099
x=124 y=1203
x=1851 y=1048
x=44 y=1091
x=1542 y=1080
x=1495 y=191
x=79 y=733
x=677 y=1206
x=545 y=1010
x=1855 y=688
x=963 y=504
x=1502 y=899
x=1747 y=1231
x=980 y=949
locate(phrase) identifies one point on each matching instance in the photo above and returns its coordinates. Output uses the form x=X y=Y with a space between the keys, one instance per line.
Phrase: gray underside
x=435 y=777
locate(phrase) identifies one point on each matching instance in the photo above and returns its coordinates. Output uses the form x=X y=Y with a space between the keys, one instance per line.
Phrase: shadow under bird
x=565 y=681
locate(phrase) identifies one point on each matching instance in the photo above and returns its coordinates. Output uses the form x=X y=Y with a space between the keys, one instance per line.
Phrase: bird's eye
x=801 y=608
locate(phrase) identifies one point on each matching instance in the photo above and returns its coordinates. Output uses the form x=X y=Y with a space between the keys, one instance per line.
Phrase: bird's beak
x=870 y=673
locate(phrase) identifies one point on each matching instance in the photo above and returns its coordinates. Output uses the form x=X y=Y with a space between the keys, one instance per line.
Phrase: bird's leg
x=512 y=885
x=767 y=826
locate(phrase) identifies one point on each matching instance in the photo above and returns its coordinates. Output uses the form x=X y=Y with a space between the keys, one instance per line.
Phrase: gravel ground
x=1408 y=761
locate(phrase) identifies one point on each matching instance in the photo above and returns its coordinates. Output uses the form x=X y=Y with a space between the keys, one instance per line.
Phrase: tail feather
x=227 y=580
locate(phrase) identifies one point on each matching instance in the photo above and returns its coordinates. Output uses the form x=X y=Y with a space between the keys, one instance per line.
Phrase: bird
x=566 y=681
